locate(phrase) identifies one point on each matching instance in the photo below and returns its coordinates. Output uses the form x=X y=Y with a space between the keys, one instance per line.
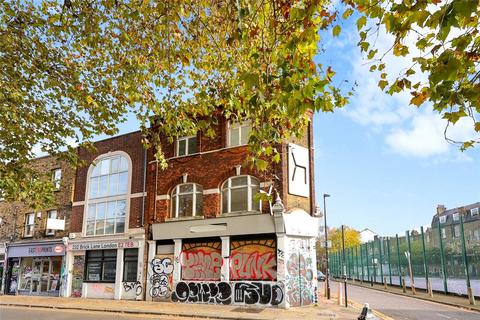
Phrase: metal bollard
x=339 y=294
x=385 y=283
x=404 y=288
x=430 y=289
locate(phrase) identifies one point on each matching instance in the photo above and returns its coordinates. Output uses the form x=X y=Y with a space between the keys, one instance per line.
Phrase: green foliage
x=446 y=48
x=72 y=69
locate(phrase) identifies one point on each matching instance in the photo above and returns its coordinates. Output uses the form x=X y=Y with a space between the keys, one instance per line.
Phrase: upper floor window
x=456 y=231
x=238 y=133
x=443 y=219
x=29 y=224
x=474 y=212
x=109 y=177
x=186 y=146
x=238 y=194
x=187 y=200
x=56 y=178
x=106 y=207
x=456 y=216
x=444 y=233
x=52 y=214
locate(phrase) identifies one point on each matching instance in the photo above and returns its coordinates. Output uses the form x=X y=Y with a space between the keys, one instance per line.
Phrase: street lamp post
x=327 y=275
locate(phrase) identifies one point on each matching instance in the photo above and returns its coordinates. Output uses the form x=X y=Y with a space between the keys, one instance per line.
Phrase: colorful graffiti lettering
x=253 y=260
x=162 y=268
x=299 y=279
x=201 y=261
x=253 y=265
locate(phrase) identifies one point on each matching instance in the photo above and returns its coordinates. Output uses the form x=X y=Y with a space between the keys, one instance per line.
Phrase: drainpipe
x=144 y=184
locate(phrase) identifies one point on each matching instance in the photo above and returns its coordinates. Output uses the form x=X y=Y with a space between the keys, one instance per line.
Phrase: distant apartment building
x=446 y=224
x=32 y=242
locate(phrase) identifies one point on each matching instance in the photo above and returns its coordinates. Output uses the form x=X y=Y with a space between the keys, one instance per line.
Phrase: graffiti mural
x=201 y=261
x=203 y=292
x=161 y=277
x=253 y=260
x=77 y=275
x=258 y=293
x=134 y=286
x=300 y=289
x=237 y=293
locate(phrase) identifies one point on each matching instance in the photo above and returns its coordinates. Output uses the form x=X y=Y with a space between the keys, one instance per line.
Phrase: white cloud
x=406 y=130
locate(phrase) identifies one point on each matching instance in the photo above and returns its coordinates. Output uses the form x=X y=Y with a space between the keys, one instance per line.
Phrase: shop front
x=35 y=268
x=108 y=269
x=255 y=260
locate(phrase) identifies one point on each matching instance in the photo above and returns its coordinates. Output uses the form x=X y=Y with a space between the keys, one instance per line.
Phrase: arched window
x=238 y=194
x=107 y=195
x=187 y=200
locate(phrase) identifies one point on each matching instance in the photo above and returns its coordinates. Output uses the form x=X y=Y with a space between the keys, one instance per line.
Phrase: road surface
x=406 y=308
x=23 y=313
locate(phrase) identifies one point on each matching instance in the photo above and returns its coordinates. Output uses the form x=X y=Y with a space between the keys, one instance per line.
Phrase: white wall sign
x=55 y=224
x=102 y=245
x=298 y=170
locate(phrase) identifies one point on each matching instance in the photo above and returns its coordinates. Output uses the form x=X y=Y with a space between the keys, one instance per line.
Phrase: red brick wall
x=132 y=145
x=210 y=168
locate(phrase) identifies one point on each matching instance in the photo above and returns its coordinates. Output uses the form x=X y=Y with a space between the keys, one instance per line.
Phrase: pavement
x=450 y=299
x=326 y=309
x=407 y=307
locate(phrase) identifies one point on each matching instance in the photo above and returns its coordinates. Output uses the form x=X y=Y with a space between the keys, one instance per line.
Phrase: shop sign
x=102 y=245
x=39 y=250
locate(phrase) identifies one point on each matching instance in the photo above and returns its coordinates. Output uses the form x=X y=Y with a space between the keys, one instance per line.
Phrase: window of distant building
x=443 y=219
x=456 y=231
x=108 y=189
x=474 y=212
x=101 y=265
x=456 y=216
x=444 y=233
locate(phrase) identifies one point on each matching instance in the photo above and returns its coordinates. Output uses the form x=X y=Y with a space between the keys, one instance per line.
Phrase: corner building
x=212 y=240
x=105 y=250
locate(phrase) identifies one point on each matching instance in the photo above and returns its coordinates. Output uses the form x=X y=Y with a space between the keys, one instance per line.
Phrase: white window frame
x=187 y=152
x=456 y=216
x=442 y=219
x=51 y=232
x=176 y=194
x=27 y=224
x=456 y=231
x=240 y=126
x=106 y=199
x=444 y=233
x=57 y=180
x=474 y=212
x=229 y=187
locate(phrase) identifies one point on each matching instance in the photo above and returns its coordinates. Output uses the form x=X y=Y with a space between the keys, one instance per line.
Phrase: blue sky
x=385 y=163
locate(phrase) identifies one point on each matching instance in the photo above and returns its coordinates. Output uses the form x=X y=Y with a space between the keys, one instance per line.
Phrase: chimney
x=441 y=209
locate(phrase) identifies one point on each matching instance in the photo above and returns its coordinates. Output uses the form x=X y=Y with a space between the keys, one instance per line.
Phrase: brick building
x=32 y=242
x=105 y=250
x=213 y=241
